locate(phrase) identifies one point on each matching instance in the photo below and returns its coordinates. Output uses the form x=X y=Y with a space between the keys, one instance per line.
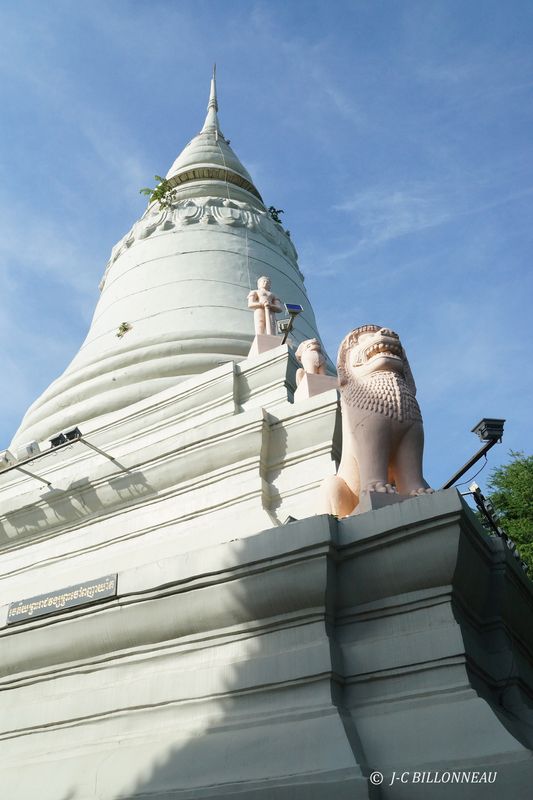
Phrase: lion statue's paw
x=380 y=487
x=422 y=490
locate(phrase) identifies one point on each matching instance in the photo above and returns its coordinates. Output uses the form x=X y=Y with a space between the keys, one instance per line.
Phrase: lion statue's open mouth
x=382 y=348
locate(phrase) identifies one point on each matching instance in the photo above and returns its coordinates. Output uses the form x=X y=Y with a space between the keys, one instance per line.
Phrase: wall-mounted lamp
x=58 y=440
x=72 y=435
x=31 y=452
x=489 y=431
x=293 y=309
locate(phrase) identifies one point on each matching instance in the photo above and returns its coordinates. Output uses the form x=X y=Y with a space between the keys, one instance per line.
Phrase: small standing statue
x=265 y=305
x=311 y=357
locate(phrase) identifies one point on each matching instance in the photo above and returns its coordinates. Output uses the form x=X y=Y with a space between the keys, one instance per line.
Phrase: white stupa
x=177 y=283
x=175 y=619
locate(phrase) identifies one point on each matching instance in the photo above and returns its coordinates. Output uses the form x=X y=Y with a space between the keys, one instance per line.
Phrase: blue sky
x=396 y=135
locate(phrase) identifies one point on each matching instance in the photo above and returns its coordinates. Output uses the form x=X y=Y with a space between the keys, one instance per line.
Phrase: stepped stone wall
x=291 y=663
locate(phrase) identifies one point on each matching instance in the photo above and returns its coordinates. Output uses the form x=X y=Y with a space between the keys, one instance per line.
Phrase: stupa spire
x=209 y=155
x=211 y=120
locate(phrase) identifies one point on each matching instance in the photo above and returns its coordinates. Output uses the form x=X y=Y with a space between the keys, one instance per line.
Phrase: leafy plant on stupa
x=123 y=328
x=275 y=212
x=163 y=193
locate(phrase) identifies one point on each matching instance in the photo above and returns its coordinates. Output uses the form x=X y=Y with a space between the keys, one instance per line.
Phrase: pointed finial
x=211 y=120
x=213 y=93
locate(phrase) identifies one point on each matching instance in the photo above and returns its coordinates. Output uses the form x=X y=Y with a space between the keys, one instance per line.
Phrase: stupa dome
x=174 y=294
x=209 y=157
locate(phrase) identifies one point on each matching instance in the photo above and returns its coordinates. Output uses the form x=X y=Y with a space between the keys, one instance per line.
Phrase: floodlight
x=283 y=325
x=58 y=439
x=489 y=429
x=72 y=435
x=294 y=309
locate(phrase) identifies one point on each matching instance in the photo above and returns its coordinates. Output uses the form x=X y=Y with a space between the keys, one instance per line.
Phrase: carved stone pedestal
x=262 y=343
x=311 y=385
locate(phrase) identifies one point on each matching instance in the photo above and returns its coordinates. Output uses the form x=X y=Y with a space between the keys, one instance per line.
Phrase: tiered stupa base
x=243 y=657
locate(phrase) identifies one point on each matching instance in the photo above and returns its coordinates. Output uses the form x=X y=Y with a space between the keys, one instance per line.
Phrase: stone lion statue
x=311 y=357
x=382 y=433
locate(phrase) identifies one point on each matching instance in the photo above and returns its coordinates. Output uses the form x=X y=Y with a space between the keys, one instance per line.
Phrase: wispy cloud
x=387 y=214
x=382 y=215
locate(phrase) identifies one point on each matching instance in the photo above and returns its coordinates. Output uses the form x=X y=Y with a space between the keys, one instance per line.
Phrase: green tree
x=511 y=494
